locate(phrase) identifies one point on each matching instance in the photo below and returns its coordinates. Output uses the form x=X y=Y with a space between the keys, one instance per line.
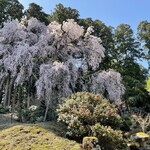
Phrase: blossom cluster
x=51 y=54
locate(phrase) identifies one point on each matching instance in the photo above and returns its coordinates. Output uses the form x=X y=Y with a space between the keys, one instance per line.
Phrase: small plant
x=83 y=110
x=89 y=143
x=143 y=121
x=141 y=138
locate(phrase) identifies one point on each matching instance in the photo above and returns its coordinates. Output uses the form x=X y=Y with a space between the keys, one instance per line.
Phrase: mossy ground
x=41 y=136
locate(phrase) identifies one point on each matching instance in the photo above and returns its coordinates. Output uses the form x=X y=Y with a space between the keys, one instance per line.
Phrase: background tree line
x=123 y=49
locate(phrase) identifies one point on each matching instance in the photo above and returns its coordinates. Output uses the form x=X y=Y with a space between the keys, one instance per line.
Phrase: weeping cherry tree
x=47 y=63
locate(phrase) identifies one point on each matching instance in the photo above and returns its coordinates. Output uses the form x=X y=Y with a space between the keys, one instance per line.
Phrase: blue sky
x=111 y=12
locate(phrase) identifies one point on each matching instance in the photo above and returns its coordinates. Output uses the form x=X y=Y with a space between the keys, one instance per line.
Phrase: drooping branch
x=53 y=56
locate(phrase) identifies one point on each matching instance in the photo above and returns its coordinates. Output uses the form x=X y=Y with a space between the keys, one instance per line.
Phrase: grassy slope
x=43 y=136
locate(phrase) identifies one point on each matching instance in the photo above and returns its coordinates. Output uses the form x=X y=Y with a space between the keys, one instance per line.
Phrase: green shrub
x=30 y=114
x=83 y=110
x=4 y=109
x=109 y=138
x=126 y=125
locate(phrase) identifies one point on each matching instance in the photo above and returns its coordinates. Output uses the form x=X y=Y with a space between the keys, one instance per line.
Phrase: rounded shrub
x=83 y=110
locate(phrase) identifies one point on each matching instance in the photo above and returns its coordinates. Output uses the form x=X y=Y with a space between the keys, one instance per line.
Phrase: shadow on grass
x=57 y=128
x=6 y=121
x=54 y=126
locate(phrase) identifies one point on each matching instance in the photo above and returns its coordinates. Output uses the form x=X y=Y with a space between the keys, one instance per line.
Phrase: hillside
x=42 y=136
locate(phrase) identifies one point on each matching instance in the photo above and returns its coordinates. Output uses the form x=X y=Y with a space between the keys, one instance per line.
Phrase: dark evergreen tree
x=10 y=9
x=126 y=53
x=144 y=37
x=62 y=13
x=35 y=11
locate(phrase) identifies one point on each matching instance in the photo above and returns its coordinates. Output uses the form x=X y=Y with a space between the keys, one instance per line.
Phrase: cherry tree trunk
x=6 y=92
